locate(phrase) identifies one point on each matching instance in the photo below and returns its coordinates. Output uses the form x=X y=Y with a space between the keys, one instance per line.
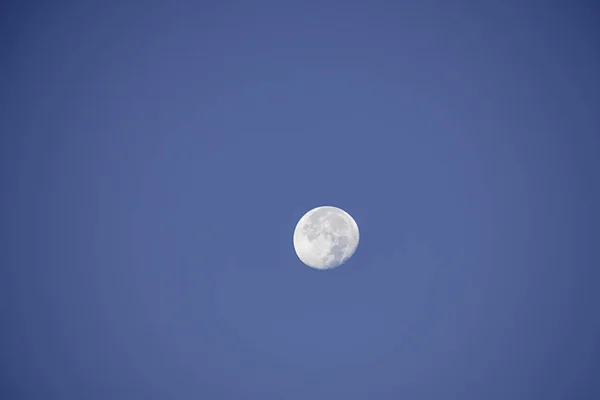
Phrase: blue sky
x=156 y=156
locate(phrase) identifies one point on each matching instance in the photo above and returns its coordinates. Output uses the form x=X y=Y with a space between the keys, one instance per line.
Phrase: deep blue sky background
x=156 y=156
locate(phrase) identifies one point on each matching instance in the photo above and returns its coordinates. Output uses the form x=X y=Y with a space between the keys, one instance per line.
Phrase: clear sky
x=155 y=157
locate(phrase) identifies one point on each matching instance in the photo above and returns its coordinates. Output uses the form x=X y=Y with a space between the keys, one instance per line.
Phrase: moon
x=326 y=237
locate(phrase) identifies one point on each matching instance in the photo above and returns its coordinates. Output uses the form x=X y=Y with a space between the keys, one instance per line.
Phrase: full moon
x=325 y=237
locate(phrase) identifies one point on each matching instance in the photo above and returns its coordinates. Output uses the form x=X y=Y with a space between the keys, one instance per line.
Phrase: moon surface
x=326 y=237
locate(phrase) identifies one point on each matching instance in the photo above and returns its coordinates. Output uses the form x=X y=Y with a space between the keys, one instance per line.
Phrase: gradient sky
x=155 y=157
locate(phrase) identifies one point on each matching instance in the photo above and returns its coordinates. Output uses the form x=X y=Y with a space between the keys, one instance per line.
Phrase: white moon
x=326 y=237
